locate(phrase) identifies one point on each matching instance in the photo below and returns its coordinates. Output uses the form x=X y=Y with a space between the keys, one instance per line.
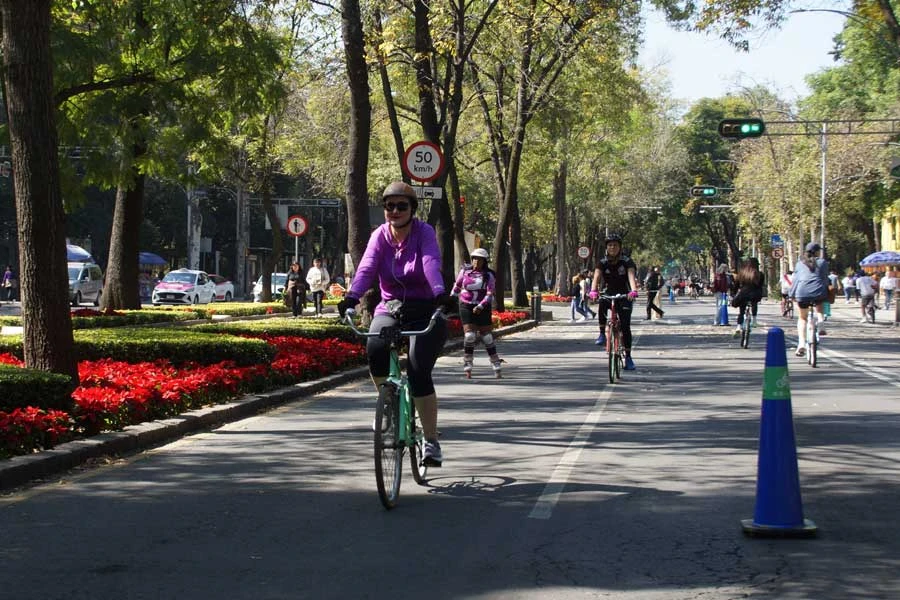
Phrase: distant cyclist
x=615 y=274
x=751 y=287
x=809 y=289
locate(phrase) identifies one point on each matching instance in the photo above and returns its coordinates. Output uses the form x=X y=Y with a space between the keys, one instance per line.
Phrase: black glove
x=446 y=302
x=347 y=302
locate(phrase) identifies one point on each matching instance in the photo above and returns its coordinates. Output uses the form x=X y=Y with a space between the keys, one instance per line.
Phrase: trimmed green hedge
x=311 y=328
x=21 y=387
x=179 y=345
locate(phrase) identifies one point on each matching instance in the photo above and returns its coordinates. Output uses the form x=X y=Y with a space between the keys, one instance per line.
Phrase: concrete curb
x=20 y=470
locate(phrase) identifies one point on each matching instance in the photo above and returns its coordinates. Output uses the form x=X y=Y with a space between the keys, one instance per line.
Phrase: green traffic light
x=709 y=191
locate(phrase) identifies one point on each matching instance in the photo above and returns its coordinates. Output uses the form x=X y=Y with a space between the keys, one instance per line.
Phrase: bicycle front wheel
x=745 y=334
x=388 y=449
x=417 y=449
x=611 y=353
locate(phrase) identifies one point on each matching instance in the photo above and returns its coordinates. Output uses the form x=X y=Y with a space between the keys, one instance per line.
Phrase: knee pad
x=469 y=337
x=488 y=339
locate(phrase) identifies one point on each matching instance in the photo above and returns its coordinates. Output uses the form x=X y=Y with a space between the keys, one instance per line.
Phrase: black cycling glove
x=347 y=302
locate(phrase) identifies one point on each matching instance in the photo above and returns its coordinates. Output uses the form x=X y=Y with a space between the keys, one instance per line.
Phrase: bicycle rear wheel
x=812 y=344
x=388 y=450
x=417 y=449
x=745 y=334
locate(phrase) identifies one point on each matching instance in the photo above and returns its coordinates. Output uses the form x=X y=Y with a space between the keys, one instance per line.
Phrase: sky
x=701 y=66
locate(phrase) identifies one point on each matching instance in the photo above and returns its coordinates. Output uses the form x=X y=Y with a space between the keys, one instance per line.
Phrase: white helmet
x=480 y=253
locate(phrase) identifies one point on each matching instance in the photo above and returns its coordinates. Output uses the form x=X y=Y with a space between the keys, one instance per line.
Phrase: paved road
x=555 y=485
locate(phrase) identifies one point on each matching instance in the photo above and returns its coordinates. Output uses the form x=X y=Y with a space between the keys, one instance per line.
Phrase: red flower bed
x=113 y=394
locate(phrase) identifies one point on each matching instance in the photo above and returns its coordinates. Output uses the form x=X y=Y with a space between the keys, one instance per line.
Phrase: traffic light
x=704 y=191
x=741 y=128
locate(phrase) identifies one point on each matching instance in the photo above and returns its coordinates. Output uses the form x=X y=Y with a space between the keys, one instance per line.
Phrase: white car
x=279 y=280
x=224 y=288
x=184 y=286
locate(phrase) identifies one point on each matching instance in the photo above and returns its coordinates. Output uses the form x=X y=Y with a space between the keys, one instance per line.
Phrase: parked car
x=184 y=286
x=224 y=288
x=278 y=282
x=85 y=283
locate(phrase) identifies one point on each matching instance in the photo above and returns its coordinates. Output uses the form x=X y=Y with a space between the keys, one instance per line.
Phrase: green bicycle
x=397 y=425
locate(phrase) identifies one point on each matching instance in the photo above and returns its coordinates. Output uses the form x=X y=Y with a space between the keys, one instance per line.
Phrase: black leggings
x=753 y=306
x=423 y=350
x=623 y=309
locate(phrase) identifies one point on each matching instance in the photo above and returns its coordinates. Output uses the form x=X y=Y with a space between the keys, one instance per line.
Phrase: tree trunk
x=360 y=129
x=43 y=273
x=122 y=287
x=562 y=243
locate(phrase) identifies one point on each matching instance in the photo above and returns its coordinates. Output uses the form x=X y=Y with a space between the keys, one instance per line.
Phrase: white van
x=85 y=283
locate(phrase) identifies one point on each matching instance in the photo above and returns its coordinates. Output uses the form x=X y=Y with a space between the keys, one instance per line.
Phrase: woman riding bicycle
x=809 y=288
x=404 y=257
x=751 y=287
x=475 y=288
x=615 y=274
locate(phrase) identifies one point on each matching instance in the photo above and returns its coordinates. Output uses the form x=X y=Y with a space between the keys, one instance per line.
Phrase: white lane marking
x=543 y=508
x=852 y=364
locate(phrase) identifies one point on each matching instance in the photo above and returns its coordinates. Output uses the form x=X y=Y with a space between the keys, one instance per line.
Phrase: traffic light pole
x=884 y=127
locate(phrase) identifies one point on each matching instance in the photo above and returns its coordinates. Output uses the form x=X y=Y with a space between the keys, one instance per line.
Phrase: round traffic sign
x=583 y=252
x=777 y=252
x=423 y=161
x=297 y=225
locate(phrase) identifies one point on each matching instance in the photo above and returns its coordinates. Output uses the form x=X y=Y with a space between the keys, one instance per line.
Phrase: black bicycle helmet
x=812 y=248
x=613 y=237
x=401 y=188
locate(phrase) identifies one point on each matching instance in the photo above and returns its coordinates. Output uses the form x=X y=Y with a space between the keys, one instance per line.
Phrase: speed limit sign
x=423 y=161
x=777 y=252
x=583 y=252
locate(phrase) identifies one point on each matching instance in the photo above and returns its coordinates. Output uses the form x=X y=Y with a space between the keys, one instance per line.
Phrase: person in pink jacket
x=403 y=257
x=475 y=288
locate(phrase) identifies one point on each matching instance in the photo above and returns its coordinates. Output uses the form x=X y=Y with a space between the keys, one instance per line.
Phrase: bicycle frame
x=614 y=348
x=390 y=443
x=396 y=375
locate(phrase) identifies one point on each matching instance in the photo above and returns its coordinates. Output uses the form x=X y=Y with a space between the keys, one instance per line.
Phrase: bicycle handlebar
x=348 y=319
x=613 y=297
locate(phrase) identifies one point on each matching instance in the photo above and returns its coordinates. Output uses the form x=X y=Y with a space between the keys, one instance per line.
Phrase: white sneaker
x=580 y=319
x=822 y=329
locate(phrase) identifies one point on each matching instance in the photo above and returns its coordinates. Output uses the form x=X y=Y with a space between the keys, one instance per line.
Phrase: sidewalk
x=20 y=470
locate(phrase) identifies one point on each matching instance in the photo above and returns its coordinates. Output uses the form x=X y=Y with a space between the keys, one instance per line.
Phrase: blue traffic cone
x=722 y=311
x=779 y=510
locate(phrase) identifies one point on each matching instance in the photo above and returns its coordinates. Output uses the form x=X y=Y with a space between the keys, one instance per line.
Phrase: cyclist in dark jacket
x=751 y=287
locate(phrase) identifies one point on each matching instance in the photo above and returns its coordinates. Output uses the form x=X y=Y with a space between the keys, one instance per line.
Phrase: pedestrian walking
x=653 y=283
x=10 y=283
x=576 y=304
x=887 y=287
x=295 y=290
x=585 y=299
x=849 y=283
x=317 y=278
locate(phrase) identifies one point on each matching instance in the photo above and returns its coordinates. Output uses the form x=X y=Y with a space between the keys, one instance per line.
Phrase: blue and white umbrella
x=77 y=254
x=884 y=258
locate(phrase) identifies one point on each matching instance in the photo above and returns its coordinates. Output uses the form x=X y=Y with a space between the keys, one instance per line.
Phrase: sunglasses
x=401 y=206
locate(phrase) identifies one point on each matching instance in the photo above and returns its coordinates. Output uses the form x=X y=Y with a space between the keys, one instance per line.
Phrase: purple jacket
x=407 y=271
x=474 y=287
